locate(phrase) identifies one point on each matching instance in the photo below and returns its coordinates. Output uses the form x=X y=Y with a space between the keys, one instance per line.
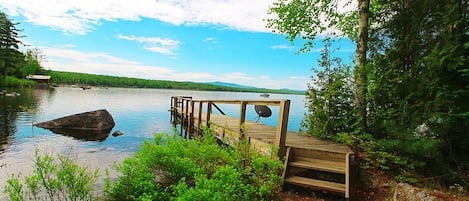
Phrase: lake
x=138 y=113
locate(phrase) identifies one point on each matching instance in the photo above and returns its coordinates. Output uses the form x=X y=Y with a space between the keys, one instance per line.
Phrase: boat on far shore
x=264 y=95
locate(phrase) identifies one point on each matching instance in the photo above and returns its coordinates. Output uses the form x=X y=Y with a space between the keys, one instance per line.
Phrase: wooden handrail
x=219 y=110
x=282 y=126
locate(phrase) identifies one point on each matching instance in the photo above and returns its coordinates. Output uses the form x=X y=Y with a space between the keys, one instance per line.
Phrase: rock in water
x=99 y=120
x=117 y=133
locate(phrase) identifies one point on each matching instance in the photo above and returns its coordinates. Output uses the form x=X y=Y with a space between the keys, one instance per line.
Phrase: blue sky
x=186 y=40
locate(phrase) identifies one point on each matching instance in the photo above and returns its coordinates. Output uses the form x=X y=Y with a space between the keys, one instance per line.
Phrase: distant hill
x=234 y=85
x=227 y=84
x=73 y=78
x=294 y=91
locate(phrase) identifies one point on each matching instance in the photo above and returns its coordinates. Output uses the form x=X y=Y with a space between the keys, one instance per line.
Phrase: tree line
x=405 y=99
x=73 y=78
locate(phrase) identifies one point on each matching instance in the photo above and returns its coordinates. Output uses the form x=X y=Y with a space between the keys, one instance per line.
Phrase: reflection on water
x=84 y=135
x=138 y=113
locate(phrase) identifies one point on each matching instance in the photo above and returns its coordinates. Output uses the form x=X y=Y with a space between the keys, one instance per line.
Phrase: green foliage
x=372 y=154
x=9 y=44
x=310 y=19
x=54 y=180
x=11 y=81
x=172 y=168
x=114 y=81
x=31 y=64
x=418 y=87
x=458 y=190
x=330 y=98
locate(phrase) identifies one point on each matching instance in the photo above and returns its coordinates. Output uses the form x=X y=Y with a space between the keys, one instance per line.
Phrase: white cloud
x=155 y=44
x=80 y=17
x=101 y=63
x=211 y=40
x=298 y=77
x=282 y=47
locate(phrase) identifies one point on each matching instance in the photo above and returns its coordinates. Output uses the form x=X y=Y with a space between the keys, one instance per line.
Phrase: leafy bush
x=372 y=154
x=172 y=168
x=11 y=81
x=53 y=180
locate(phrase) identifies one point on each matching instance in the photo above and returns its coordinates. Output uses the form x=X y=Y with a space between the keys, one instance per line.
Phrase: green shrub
x=373 y=154
x=15 y=82
x=172 y=168
x=53 y=180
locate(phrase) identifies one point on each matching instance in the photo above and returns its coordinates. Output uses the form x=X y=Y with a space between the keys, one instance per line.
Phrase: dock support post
x=242 y=119
x=172 y=110
x=191 y=119
x=282 y=126
x=209 y=111
x=199 y=117
x=187 y=119
x=182 y=116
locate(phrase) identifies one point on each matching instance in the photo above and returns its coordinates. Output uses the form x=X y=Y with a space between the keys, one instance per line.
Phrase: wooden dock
x=308 y=161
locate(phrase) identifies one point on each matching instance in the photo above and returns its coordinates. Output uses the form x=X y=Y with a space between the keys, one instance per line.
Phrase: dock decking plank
x=266 y=133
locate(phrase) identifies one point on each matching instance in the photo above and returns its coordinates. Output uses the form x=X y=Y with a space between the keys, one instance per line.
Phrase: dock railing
x=189 y=109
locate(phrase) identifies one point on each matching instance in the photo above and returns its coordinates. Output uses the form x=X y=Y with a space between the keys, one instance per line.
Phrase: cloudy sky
x=182 y=40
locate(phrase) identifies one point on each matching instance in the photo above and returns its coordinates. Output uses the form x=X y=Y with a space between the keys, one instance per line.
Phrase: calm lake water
x=138 y=113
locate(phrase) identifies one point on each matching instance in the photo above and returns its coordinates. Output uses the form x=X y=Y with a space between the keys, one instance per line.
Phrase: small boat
x=264 y=95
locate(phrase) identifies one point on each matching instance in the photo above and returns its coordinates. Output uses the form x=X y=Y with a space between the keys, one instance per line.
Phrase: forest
x=403 y=104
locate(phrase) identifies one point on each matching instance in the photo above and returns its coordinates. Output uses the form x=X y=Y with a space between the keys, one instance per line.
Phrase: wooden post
x=182 y=115
x=347 y=175
x=199 y=116
x=191 y=118
x=171 y=110
x=242 y=119
x=282 y=128
x=209 y=111
x=186 y=117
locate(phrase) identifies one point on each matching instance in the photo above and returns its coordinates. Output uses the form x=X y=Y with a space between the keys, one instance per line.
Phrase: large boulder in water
x=99 y=120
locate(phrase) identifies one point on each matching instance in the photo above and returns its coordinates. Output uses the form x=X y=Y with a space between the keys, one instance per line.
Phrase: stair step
x=317 y=164
x=314 y=183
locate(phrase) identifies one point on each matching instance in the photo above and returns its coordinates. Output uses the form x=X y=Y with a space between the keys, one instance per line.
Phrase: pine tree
x=330 y=97
x=9 y=44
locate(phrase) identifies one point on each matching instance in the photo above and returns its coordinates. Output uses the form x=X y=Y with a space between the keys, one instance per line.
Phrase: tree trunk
x=360 y=68
x=5 y=68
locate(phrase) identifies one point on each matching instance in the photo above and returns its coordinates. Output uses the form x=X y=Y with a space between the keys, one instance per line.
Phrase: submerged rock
x=117 y=133
x=98 y=120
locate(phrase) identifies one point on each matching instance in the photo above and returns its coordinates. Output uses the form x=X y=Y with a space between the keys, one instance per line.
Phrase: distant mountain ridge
x=227 y=84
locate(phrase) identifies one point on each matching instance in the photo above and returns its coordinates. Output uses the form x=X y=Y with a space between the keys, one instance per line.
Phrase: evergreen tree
x=330 y=97
x=9 y=44
x=419 y=90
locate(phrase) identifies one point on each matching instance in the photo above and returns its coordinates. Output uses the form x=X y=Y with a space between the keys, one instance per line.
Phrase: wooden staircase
x=318 y=169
